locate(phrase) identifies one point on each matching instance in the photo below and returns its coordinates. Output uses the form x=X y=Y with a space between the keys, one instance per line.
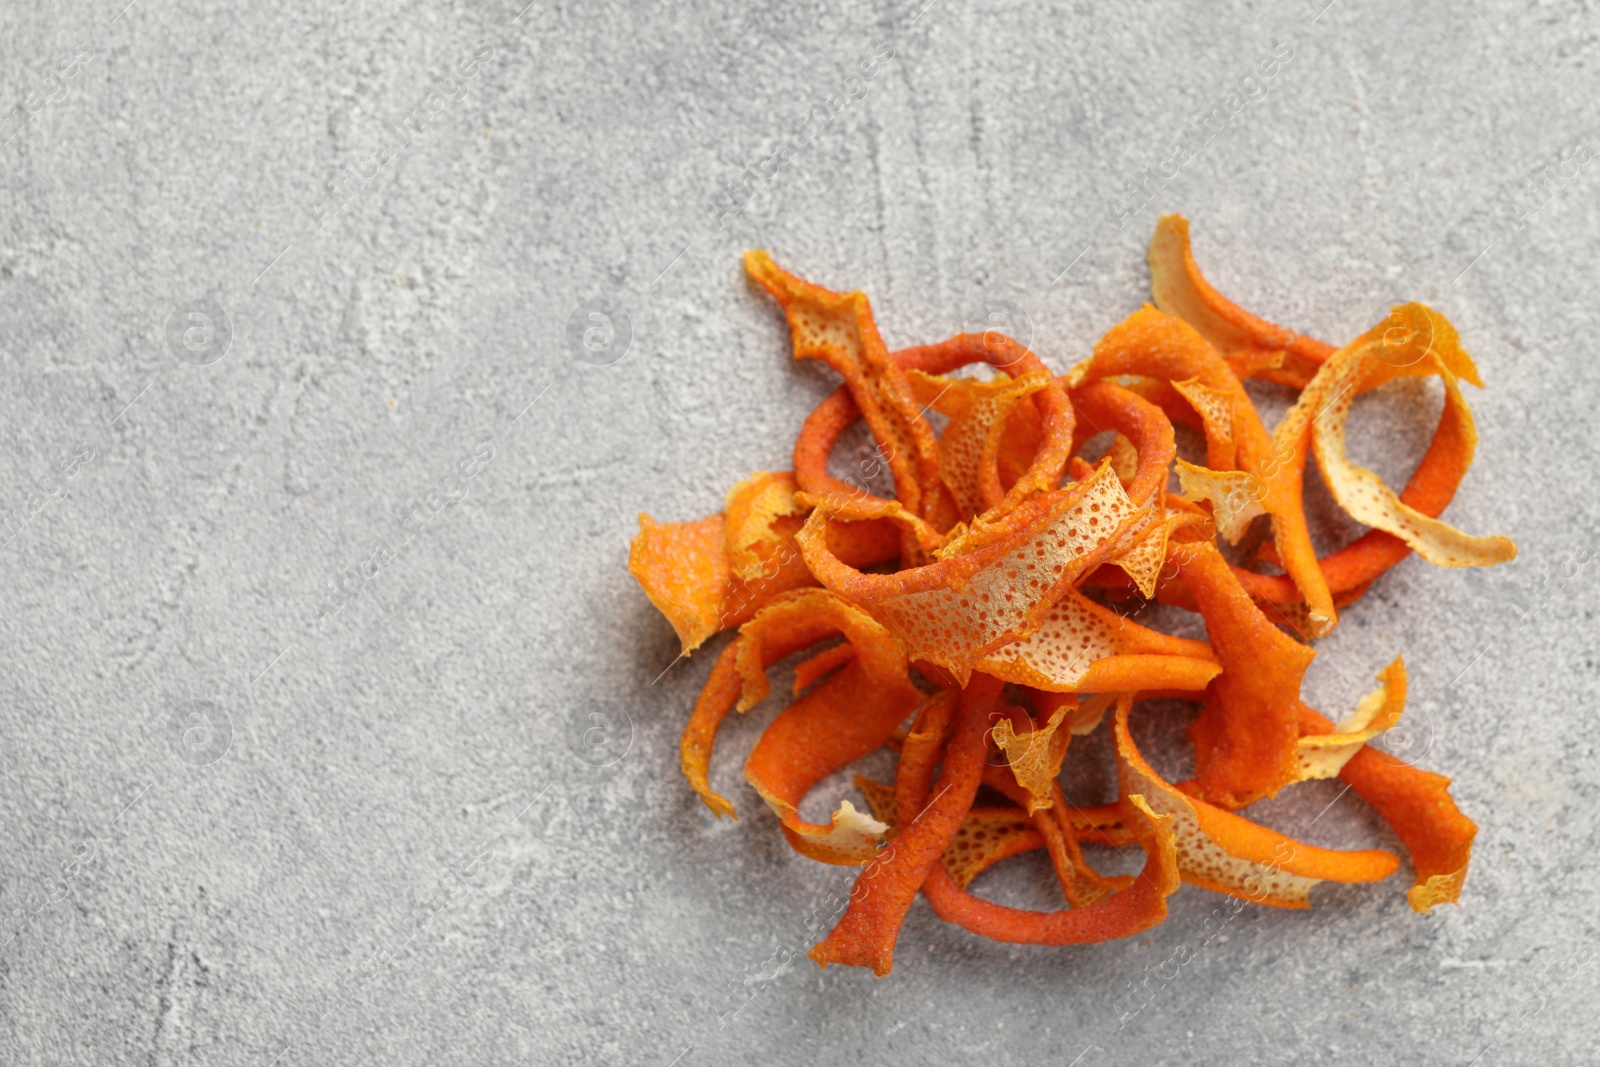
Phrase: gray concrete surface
x=273 y=276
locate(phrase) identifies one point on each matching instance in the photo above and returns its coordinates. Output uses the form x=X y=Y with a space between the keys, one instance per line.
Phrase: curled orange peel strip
x=814 y=445
x=1161 y=393
x=1414 y=341
x=1215 y=408
x=1035 y=756
x=1001 y=585
x=987 y=835
x=752 y=512
x=1081 y=884
x=1144 y=562
x=1124 y=913
x=845 y=717
x=806 y=612
x=683 y=568
x=838 y=329
x=1245 y=737
x=1152 y=344
x=1325 y=755
x=1417 y=806
x=1145 y=429
x=1256 y=363
x=1124 y=456
x=1104 y=824
x=969 y=447
x=792 y=622
x=1178 y=288
x=865 y=935
x=809 y=672
x=1036 y=441
x=1228 y=853
x=1235 y=496
x=1037 y=433
x=865 y=510
x=1089 y=712
x=1130 y=910
x=1075 y=647
x=717 y=572
x=1352 y=568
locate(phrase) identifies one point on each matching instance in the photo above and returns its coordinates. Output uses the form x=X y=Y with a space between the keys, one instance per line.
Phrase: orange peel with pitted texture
x=985 y=616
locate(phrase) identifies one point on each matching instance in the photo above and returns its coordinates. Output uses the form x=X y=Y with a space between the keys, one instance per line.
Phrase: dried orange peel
x=994 y=602
x=1228 y=853
x=996 y=584
x=791 y=623
x=837 y=328
x=1417 y=805
x=1152 y=344
x=715 y=573
x=1414 y=341
x=1263 y=349
x=986 y=836
x=969 y=448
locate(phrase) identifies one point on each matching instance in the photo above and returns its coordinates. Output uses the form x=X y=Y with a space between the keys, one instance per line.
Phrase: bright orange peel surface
x=992 y=611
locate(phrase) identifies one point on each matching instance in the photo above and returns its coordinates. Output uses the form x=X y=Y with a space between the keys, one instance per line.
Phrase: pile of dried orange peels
x=986 y=612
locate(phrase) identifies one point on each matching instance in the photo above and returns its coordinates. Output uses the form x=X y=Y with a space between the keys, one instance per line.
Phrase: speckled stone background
x=342 y=342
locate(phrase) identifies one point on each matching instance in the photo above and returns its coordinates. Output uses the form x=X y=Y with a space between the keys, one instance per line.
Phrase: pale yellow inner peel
x=1236 y=496
x=1324 y=755
x=1414 y=341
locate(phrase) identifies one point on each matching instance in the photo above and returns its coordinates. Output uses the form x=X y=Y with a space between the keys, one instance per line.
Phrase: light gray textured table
x=293 y=298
